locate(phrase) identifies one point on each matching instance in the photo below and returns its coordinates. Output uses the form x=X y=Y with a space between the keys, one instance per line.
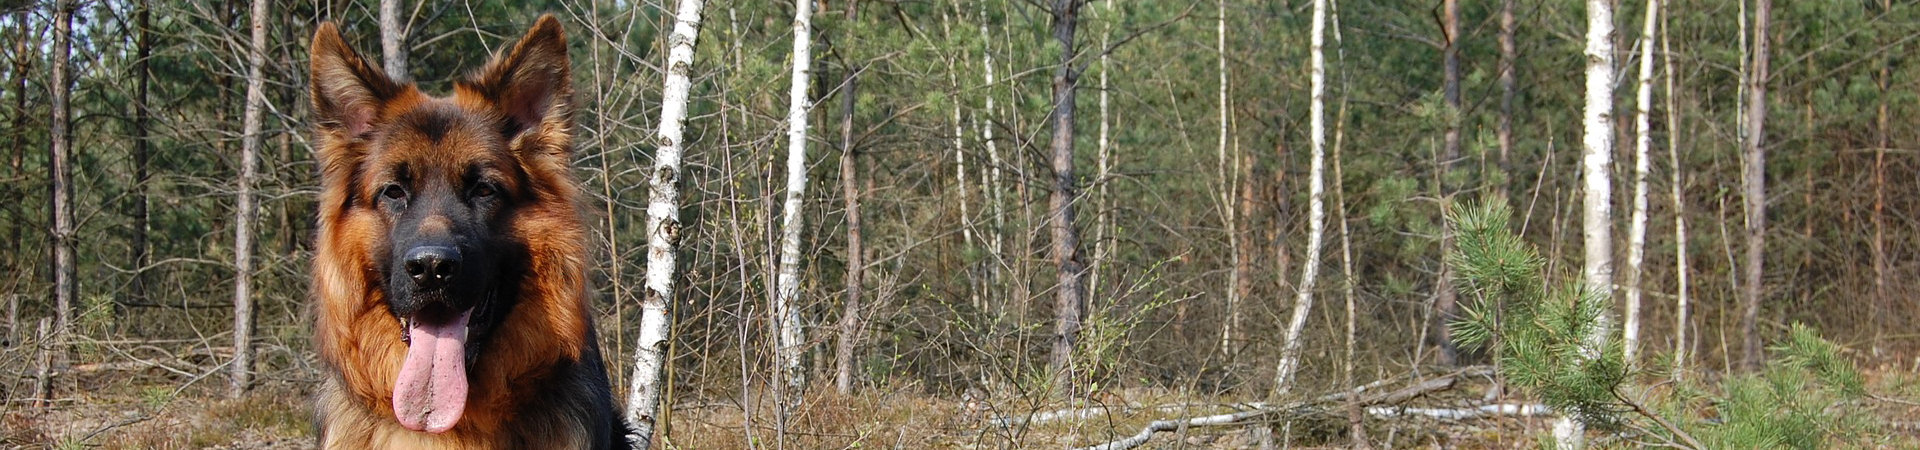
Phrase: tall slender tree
x=143 y=51
x=393 y=39
x=1753 y=176
x=1676 y=187
x=1637 y=224
x=59 y=155
x=663 y=229
x=1596 y=162
x=1316 y=203
x=1070 y=301
x=850 y=314
x=791 y=342
x=253 y=121
x=1509 y=55
x=1236 y=267
x=1444 y=297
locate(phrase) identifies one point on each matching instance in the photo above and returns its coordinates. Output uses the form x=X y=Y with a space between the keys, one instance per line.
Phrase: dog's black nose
x=432 y=266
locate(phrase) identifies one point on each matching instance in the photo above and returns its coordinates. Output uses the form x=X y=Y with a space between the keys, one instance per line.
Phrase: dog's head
x=438 y=190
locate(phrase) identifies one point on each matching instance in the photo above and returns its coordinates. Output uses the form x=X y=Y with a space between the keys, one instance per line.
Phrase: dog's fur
x=485 y=171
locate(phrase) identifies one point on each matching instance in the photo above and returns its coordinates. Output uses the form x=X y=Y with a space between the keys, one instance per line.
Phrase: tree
x=1444 y=298
x=1508 y=56
x=791 y=343
x=142 y=118
x=663 y=230
x=1637 y=225
x=253 y=121
x=1596 y=160
x=1676 y=186
x=1070 y=302
x=393 y=39
x=1316 y=205
x=856 y=258
x=1753 y=177
x=59 y=156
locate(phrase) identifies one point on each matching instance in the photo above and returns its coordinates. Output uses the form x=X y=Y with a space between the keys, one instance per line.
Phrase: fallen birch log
x=1531 y=410
x=1292 y=409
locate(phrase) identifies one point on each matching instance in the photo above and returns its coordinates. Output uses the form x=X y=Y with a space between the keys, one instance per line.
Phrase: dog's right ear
x=348 y=94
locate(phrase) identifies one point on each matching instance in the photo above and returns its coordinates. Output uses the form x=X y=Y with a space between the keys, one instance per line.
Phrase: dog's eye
x=394 y=192
x=483 y=190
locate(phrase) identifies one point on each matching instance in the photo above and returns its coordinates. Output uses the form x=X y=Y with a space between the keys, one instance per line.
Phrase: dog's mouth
x=431 y=392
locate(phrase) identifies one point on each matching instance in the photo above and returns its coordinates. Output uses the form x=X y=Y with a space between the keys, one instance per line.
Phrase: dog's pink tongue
x=431 y=392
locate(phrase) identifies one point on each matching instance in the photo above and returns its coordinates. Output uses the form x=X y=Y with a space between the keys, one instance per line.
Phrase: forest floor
x=277 y=415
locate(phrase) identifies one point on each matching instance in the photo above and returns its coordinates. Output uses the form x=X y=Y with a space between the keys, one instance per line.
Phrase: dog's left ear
x=531 y=85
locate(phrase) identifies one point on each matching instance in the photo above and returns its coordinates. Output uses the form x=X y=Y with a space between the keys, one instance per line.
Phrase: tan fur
x=354 y=332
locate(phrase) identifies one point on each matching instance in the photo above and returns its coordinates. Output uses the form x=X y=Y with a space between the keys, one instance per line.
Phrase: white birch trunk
x=1103 y=220
x=1681 y=304
x=1226 y=195
x=393 y=40
x=252 y=122
x=1596 y=160
x=1316 y=204
x=994 y=205
x=791 y=345
x=663 y=231
x=1637 y=226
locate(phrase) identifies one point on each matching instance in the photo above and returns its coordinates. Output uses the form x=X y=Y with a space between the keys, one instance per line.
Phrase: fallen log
x=1528 y=410
x=1292 y=409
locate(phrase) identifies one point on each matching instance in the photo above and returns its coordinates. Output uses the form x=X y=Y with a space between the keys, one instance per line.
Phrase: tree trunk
x=1316 y=204
x=1637 y=225
x=791 y=343
x=252 y=122
x=1509 y=55
x=1236 y=269
x=60 y=157
x=663 y=231
x=1596 y=161
x=137 y=287
x=1103 y=219
x=1881 y=298
x=1754 y=189
x=393 y=39
x=1444 y=297
x=1681 y=304
x=1070 y=301
x=856 y=260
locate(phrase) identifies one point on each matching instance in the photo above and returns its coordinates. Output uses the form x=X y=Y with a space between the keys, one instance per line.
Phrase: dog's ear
x=347 y=92
x=531 y=85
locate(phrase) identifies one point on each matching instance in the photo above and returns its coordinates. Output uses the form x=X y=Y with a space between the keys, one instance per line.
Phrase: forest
x=1032 y=224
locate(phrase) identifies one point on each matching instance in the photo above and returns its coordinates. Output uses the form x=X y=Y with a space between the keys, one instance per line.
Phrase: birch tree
x=791 y=343
x=1596 y=160
x=393 y=39
x=1637 y=224
x=1316 y=204
x=253 y=121
x=663 y=230
x=1509 y=55
x=59 y=156
x=1675 y=185
x=1753 y=175
x=1070 y=300
x=856 y=261
x=1236 y=270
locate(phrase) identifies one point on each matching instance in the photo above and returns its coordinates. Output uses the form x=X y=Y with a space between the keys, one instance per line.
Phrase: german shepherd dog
x=450 y=274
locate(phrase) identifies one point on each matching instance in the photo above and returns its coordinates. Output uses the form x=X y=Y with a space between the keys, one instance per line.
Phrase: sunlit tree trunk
x=1678 y=184
x=1637 y=224
x=1316 y=207
x=856 y=260
x=59 y=155
x=1103 y=222
x=1070 y=301
x=1754 y=189
x=791 y=342
x=1883 y=132
x=1509 y=55
x=1237 y=267
x=663 y=230
x=1596 y=161
x=393 y=39
x=253 y=121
